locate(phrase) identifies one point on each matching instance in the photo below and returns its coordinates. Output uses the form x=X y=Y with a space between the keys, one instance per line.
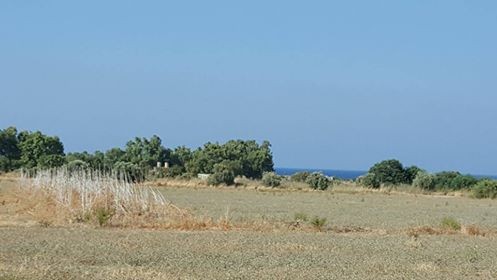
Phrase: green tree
x=411 y=172
x=253 y=159
x=203 y=159
x=389 y=172
x=178 y=159
x=146 y=153
x=112 y=157
x=9 y=149
x=40 y=151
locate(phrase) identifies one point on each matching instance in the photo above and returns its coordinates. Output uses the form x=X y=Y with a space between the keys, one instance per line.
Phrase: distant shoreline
x=342 y=174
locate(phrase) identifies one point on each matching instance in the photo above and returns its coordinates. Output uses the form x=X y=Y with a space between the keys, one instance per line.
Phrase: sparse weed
x=103 y=215
x=45 y=223
x=318 y=223
x=300 y=217
x=450 y=223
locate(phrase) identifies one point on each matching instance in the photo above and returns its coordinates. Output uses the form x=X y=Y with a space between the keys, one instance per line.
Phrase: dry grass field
x=367 y=235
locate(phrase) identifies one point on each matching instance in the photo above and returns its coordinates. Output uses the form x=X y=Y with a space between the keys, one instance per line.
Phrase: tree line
x=223 y=162
x=392 y=172
x=139 y=158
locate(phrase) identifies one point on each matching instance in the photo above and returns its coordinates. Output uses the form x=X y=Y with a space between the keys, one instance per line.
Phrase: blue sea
x=342 y=174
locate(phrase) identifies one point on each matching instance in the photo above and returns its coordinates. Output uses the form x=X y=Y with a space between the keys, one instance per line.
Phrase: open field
x=384 y=249
x=367 y=209
x=61 y=253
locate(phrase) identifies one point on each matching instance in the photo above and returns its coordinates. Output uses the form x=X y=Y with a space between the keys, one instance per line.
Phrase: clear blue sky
x=332 y=84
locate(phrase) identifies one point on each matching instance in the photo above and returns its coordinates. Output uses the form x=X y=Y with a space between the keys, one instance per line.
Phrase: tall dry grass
x=95 y=196
x=83 y=190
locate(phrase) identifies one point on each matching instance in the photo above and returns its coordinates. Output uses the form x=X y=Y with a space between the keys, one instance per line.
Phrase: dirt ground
x=32 y=250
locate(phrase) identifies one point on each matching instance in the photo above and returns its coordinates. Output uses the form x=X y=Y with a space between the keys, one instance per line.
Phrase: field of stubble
x=381 y=250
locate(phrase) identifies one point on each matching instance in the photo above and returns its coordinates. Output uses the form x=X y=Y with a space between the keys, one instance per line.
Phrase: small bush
x=103 y=215
x=300 y=217
x=271 y=179
x=77 y=164
x=370 y=181
x=424 y=181
x=318 y=181
x=300 y=177
x=226 y=177
x=318 y=223
x=450 y=224
x=485 y=189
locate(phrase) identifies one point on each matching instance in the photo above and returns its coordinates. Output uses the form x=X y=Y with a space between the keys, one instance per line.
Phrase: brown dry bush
x=474 y=230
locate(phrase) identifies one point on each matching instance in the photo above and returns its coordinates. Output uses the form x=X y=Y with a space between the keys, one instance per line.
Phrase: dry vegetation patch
x=62 y=198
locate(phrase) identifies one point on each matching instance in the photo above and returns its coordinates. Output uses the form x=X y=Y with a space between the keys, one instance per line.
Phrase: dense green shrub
x=271 y=179
x=444 y=179
x=390 y=172
x=226 y=177
x=424 y=181
x=318 y=181
x=485 y=189
x=463 y=182
x=451 y=180
x=300 y=177
x=370 y=181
